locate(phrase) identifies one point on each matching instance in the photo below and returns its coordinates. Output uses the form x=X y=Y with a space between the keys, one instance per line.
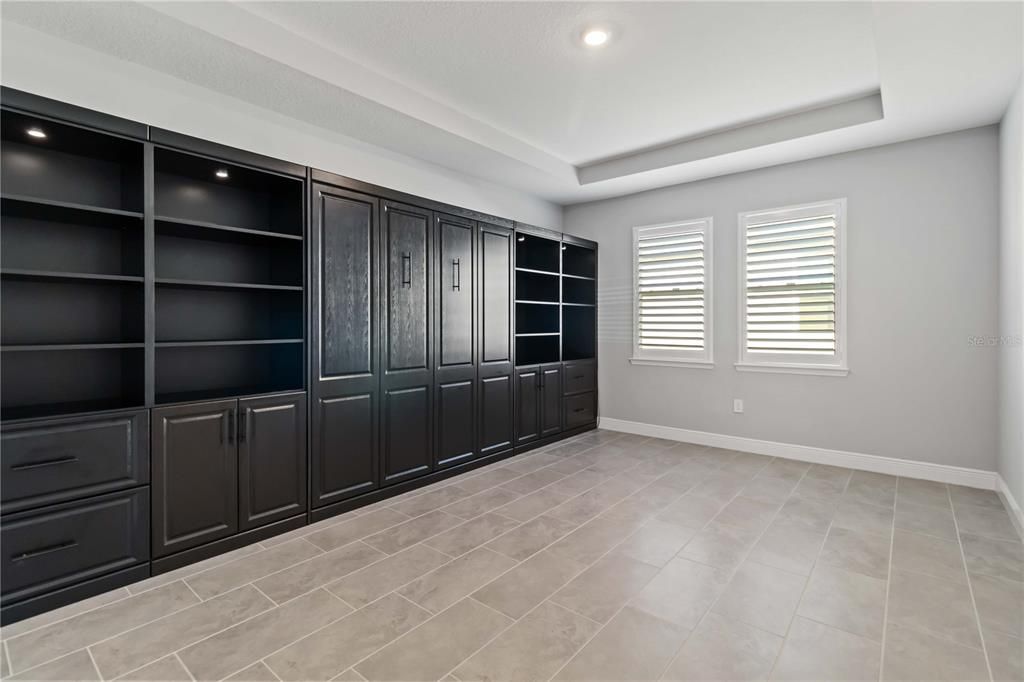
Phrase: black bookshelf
x=228 y=279
x=538 y=287
x=579 y=302
x=72 y=268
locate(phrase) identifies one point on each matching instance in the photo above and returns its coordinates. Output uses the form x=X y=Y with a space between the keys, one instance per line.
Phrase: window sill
x=685 y=364
x=784 y=368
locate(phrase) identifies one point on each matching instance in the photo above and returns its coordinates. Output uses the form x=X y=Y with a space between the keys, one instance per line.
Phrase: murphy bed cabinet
x=234 y=346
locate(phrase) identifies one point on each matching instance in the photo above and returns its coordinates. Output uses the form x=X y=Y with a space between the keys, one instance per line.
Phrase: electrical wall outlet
x=737 y=405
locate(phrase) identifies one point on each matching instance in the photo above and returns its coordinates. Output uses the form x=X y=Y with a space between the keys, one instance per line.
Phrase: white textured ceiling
x=504 y=91
x=521 y=67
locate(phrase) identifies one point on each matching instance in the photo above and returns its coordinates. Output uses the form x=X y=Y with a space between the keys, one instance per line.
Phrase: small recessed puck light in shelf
x=222 y=173
x=522 y=239
x=595 y=37
x=37 y=133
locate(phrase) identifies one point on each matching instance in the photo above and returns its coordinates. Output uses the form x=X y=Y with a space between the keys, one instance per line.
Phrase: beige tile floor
x=609 y=557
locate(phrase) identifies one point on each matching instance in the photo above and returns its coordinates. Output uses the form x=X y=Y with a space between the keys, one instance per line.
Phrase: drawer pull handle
x=67 y=544
x=580 y=409
x=578 y=376
x=44 y=463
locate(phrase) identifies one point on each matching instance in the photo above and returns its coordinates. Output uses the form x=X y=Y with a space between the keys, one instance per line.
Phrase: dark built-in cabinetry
x=164 y=300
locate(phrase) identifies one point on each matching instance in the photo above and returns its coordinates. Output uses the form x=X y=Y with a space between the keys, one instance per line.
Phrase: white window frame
x=789 y=363
x=703 y=359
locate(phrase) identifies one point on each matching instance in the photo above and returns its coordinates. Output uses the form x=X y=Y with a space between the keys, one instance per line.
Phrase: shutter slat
x=790 y=286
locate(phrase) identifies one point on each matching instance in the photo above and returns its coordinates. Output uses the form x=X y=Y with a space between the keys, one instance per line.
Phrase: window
x=672 y=304
x=792 y=293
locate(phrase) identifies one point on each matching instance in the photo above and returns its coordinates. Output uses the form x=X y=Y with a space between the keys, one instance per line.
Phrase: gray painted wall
x=1011 y=299
x=922 y=235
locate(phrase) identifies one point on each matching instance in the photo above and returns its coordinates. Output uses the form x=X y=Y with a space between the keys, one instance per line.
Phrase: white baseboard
x=943 y=473
x=1010 y=502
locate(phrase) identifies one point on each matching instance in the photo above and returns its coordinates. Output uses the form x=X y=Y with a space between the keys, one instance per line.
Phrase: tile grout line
x=970 y=586
x=888 y=582
x=182 y=664
x=256 y=587
x=95 y=667
x=201 y=600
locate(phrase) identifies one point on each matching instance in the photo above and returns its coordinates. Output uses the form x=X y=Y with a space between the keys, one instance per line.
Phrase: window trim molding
x=666 y=358
x=793 y=363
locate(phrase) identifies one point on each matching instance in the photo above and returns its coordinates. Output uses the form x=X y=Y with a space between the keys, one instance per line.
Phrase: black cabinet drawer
x=47 y=549
x=579 y=409
x=580 y=377
x=61 y=459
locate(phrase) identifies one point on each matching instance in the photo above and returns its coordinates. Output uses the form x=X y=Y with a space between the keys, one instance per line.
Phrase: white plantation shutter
x=671 y=266
x=790 y=286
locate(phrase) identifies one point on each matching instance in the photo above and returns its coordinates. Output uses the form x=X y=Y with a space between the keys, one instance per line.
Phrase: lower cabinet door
x=551 y=400
x=406 y=442
x=527 y=404
x=344 y=444
x=456 y=436
x=194 y=474
x=63 y=544
x=496 y=413
x=271 y=458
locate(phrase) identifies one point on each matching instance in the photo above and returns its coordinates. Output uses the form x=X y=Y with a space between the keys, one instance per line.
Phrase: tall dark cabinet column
x=345 y=315
x=455 y=348
x=494 y=300
x=407 y=378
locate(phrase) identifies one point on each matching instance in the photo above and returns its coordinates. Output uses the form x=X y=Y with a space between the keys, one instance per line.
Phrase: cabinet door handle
x=406 y=270
x=456 y=274
x=578 y=376
x=44 y=463
x=231 y=426
x=67 y=544
x=579 y=409
x=241 y=425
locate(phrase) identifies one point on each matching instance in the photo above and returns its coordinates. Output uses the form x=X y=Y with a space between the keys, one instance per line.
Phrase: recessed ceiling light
x=37 y=133
x=222 y=174
x=595 y=37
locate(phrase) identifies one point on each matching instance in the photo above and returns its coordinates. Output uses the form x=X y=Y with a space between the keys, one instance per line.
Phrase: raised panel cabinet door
x=456 y=433
x=195 y=475
x=496 y=410
x=407 y=434
x=455 y=286
x=527 y=404
x=495 y=295
x=344 y=334
x=407 y=379
x=271 y=458
x=407 y=321
x=551 y=400
x=455 y=394
x=496 y=390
